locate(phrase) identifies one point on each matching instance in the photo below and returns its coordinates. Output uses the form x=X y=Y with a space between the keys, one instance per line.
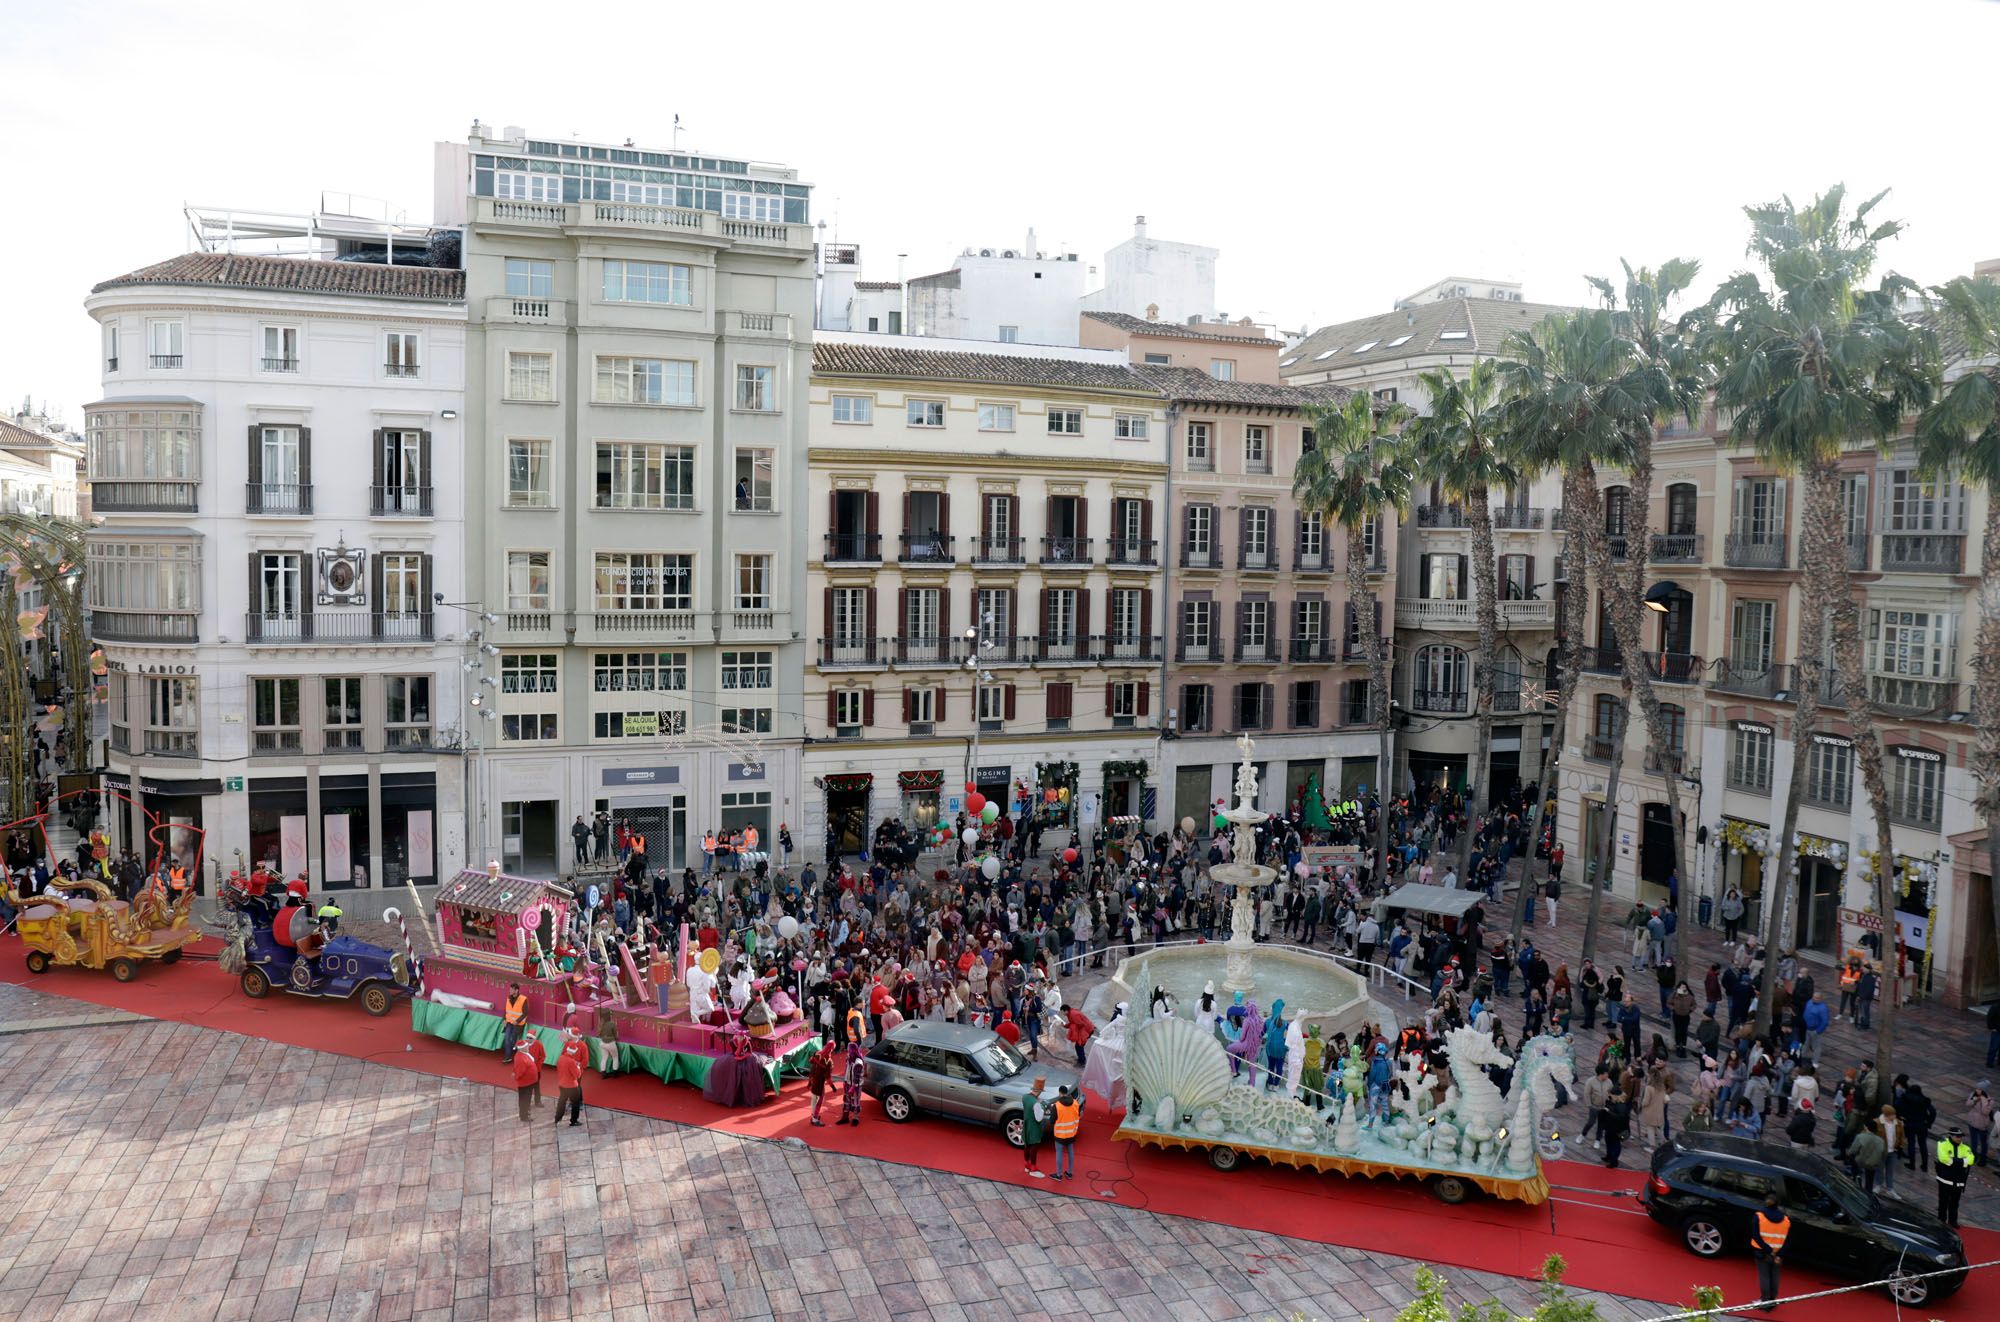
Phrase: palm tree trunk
x=1986 y=701
x=1362 y=598
x=1569 y=633
x=1821 y=512
x=1587 y=518
x=1480 y=782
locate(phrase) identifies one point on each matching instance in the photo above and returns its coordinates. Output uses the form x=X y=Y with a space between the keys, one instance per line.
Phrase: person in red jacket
x=569 y=1076
x=533 y=1043
x=879 y=1000
x=1078 y=1031
x=527 y=1077
x=1007 y=1029
x=818 y=1074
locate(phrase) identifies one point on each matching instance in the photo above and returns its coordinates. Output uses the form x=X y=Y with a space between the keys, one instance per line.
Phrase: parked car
x=1708 y=1187
x=959 y=1071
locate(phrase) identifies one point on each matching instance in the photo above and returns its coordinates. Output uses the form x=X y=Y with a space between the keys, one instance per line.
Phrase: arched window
x=1440 y=678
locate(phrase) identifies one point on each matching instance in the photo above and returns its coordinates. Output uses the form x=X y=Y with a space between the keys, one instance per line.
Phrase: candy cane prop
x=423 y=919
x=395 y=915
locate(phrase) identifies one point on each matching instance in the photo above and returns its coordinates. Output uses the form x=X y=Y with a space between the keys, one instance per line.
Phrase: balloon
x=1063 y=794
x=976 y=804
x=1069 y=856
x=1187 y=825
x=990 y=813
x=971 y=788
x=970 y=836
x=788 y=927
x=990 y=868
x=1048 y=796
x=1301 y=869
x=1221 y=822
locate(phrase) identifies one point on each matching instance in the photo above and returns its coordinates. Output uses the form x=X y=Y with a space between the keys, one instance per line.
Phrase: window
x=1256 y=449
x=1129 y=426
x=1674 y=720
x=532 y=672
x=279 y=589
x=644 y=581
x=1758 y=516
x=859 y=410
x=1604 y=726
x=1916 y=786
x=920 y=620
x=648 y=282
x=1222 y=369
x=645 y=381
x=1305 y=704
x=1252 y=710
x=1915 y=504
x=403 y=584
x=1066 y=422
x=1199 y=456
x=403 y=485
x=639 y=672
x=1386 y=395
x=924 y=412
x=275 y=726
x=848 y=711
x=173 y=716
x=164 y=346
x=1750 y=757
x=531 y=377
x=1309 y=620
x=746 y=670
x=746 y=720
x=1159 y=360
x=1256 y=537
x=111 y=346
x=996 y=417
x=281 y=348
x=1253 y=634
x=407 y=710
x=1371 y=540
x=1830 y=772
x=753 y=582
x=992 y=705
x=522 y=186
x=1127 y=615
x=632 y=476
x=1010 y=334
x=342 y=723
x=996 y=617
x=527 y=580
x=1312 y=538
x=528 y=727
x=1059 y=622
x=1907 y=644
x=1197 y=707
x=1200 y=531
x=920 y=707
x=1197 y=627
x=1517 y=577
x=1364 y=348
x=1308 y=440
x=768 y=208
x=527 y=278
x=756 y=388
x=1440 y=676
x=1124 y=703
x=1059 y=705
x=637 y=724
x=280 y=462
x=399 y=353
x=754 y=480
x=528 y=474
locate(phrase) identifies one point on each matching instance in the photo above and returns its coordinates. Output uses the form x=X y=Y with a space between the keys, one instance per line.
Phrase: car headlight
x=1946 y=1259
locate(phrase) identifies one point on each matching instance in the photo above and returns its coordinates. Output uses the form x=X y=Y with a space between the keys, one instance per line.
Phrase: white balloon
x=990 y=868
x=788 y=927
x=970 y=836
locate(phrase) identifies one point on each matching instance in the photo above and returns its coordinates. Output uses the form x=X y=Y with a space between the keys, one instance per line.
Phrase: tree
x=1455 y=446
x=1354 y=475
x=1960 y=434
x=1568 y=407
x=1814 y=364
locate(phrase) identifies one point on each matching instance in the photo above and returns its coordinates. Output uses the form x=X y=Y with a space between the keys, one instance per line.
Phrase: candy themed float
x=494 y=929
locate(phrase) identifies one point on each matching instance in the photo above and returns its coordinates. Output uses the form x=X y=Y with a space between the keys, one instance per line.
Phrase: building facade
x=984 y=582
x=639 y=336
x=275 y=465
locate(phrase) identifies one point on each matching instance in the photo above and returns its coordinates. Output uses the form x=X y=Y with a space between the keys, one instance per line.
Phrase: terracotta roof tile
x=1174 y=330
x=297 y=275
x=1190 y=384
x=877 y=286
x=838 y=359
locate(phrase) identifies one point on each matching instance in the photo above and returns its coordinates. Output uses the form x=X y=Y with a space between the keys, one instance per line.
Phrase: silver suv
x=959 y=1071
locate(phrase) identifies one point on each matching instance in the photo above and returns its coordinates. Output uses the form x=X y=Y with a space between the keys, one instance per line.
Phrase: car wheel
x=898 y=1105
x=375 y=999
x=1224 y=1158
x=124 y=970
x=255 y=984
x=38 y=961
x=1703 y=1236
x=171 y=957
x=1450 y=1189
x=1909 y=1290
x=1010 y=1125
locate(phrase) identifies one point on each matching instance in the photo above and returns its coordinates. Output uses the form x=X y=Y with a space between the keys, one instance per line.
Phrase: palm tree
x=1815 y=364
x=1454 y=445
x=1668 y=378
x=1567 y=407
x=1354 y=475
x=1960 y=433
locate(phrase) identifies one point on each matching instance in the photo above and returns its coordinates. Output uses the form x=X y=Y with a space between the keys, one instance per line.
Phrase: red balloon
x=971 y=788
x=975 y=804
x=1069 y=856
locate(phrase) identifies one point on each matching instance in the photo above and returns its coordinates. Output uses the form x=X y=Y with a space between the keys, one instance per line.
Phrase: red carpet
x=1608 y=1242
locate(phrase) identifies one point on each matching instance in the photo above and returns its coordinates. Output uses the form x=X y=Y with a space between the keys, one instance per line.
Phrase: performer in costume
x=850 y=1093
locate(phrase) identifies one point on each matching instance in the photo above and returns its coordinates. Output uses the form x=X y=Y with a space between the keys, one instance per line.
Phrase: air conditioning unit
x=985 y=252
x=1010 y=253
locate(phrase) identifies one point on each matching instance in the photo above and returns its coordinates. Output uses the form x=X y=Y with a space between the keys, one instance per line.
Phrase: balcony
x=164 y=360
x=1440 y=516
x=281 y=364
x=1676 y=548
x=853 y=548
x=1355 y=648
x=1066 y=552
x=1674 y=667
x=1857 y=551
x=262 y=628
x=1438 y=700
x=1557 y=521
x=850 y=652
x=615 y=216
x=1311 y=562
x=927 y=548
x=1122 y=648
x=1671 y=763
x=1747 y=551
x=1616 y=544
x=278 y=498
x=1507 y=698
x=1258 y=652
x=1462 y=613
x=533 y=311
x=1752 y=679
x=1922 y=552
x=1197 y=653
x=745 y=623
x=1061 y=647
x=926 y=651
x=173 y=743
x=147 y=627
x=1789 y=678
x=1518 y=518
x=279 y=742
x=1257 y=560
x=526 y=621
x=1200 y=557
x=997 y=551
x=997 y=649
x=404 y=370
x=1899 y=696
x=1307 y=650
x=667 y=626
x=1601 y=660
x=1131 y=551
x=115 y=497
x=405 y=502
x=409 y=739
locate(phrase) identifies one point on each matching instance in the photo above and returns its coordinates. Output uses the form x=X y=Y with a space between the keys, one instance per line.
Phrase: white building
x=1159 y=279
x=1008 y=295
x=38 y=471
x=276 y=478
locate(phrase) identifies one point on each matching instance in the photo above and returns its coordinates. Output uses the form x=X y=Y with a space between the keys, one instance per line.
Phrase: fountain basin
x=1315 y=989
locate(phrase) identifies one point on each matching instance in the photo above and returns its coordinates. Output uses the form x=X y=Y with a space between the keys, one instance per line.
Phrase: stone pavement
x=161 y=1171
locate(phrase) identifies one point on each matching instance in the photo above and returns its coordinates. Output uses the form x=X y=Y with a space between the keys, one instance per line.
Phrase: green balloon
x=1221 y=822
x=990 y=813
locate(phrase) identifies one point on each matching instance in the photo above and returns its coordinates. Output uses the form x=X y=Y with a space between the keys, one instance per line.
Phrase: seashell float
x=1174 y=1060
x=1167 y=1114
x=1305 y=1136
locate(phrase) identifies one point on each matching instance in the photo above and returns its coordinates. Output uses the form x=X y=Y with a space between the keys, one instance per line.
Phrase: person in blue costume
x=1381 y=1073
x=1248 y=1045
x=1274 y=1045
x=1229 y=1026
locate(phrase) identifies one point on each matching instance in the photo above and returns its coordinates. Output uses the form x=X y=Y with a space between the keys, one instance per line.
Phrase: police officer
x=1767 y=1242
x=1954 y=1169
x=329 y=916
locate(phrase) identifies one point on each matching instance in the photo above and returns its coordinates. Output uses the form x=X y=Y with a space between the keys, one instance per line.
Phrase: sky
x=1338 y=155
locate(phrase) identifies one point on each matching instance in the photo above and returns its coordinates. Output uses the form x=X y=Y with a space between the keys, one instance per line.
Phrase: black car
x=1708 y=1188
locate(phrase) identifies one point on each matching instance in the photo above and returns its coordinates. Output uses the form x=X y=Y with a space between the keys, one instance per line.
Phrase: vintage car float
x=271 y=947
x=83 y=923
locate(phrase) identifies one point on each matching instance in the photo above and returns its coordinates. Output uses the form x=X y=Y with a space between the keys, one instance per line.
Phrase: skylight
x=1322 y=357
x=1364 y=348
x=1400 y=339
x=1454 y=335
x=1289 y=361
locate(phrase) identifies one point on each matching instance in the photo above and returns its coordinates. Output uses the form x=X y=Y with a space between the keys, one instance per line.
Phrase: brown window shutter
x=256 y=455
x=376 y=590
x=909 y=702
x=1146 y=614
x=423 y=462
x=425 y=603
x=944 y=514
x=902 y=612
x=1269 y=705
x=379 y=440
x=306 y=460
x=1110 y=697
x=256 y=595
x=874 y=514
x=1145 y=697
x=868 y=706
x=1048 y=614
x=1083 y=612
x=1146 y=520
x=826 y=624
x=944 y=615
x=1082 y=518
x=832 y=710
x=871 y=619
x=937 y=709
x=985 y=517
x=1049 y=527
x=909 y=508
x=1010 y=702
x=833 y=512
x=1013 y=618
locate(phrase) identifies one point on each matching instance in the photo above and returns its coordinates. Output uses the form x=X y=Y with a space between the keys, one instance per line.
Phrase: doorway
x=1592 y=823
x=1819 y=907
x=1436 y=772
x=1191 y=786
x=846 y=823
x=1656 y=844
x=528 y=838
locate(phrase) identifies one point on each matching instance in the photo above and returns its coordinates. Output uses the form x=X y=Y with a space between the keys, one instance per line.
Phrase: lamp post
x=473 y=702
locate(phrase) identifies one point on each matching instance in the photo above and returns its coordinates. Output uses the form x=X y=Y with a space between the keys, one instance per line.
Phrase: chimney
x=1029 y=251
x=514 y=133
x=1139 y=227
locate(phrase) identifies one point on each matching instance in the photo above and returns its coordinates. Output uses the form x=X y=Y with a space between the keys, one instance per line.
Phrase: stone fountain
x=1242 y=873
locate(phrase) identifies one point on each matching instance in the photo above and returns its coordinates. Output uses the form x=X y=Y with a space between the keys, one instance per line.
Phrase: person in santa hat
x=527 y=1076
x=569 y=1076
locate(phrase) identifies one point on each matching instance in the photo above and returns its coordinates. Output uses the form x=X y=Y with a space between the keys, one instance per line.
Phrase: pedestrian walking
x=1767 y=1241
x=569 y=1077
x=819 y=1073
x=850 y=1089
x=527 y=1080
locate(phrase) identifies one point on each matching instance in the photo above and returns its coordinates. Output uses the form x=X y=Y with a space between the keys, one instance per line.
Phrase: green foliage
x=1556 y=1303
x=1356 y=468
x=1960 y=431
x=1458 y=443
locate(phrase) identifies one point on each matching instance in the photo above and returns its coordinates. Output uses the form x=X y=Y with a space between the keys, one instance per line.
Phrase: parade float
x=494 y=930
x=267 y=946
x=81 y=922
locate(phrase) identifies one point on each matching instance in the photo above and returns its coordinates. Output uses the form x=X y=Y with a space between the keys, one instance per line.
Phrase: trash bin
x=1705 y=909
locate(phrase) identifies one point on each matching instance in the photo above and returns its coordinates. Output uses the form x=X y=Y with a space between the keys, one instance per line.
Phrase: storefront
x=1299 y=775
x=1192 y=796
x=278 y=816
x=1126 y=793
x=409 y=827
x=921 y=791
x=1743 y=844
x=847 y=820
x=746 y=802
x=165 y=820
x=346 y=832
x=648 y=801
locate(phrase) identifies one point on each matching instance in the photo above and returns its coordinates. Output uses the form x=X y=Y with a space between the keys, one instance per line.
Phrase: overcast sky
x=1338 y=155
